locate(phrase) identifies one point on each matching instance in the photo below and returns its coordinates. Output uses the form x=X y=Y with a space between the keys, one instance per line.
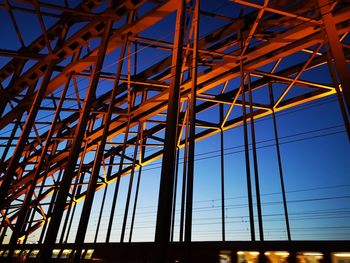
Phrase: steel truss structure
x=83 y=109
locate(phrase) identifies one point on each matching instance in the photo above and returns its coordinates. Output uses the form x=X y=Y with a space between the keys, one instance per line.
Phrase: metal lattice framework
x=80 y=109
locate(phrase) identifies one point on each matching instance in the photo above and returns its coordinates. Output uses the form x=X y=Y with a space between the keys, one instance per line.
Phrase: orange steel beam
x=77 y=41
x=336 y=49
x=144 y=110
x=299 y=38
x=226 y=30
x=37 y=45
x=229 y=125
x=277 y=11
x=80 y=38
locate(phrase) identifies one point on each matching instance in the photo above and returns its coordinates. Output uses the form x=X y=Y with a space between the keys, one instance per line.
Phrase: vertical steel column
x=101 y=212
x=117 y=184
x=135 y=204
x=141 y=155
x=272 y=102
x=168 y=162
x=222 y=170
x=174 y=194
x=17 y=153
x=109 y=171
x=57 y=213
x=90 y=193
x=192 y=121
x=78 y=179
x=74 y=209
x=246 y=152
x=121 y=162
x=131 y=103
x=127 y=204
x=336 y=49
x=71 y=219
x=340 y=98
x=184 y=180
x=52 y=202
x=255 y=160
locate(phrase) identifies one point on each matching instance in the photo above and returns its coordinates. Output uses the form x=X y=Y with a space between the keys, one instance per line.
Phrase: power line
x=244 y=205
x=260 y=147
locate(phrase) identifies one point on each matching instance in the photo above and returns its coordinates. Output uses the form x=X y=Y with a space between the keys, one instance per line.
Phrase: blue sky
x=314 y=150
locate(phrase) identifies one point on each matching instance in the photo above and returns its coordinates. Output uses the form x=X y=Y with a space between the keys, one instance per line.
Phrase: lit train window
x=309 y=257
x=341 y=257
x=277 y=256
x=247 y=256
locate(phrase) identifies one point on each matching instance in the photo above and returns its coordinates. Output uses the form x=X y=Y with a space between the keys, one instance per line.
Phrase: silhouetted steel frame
x=192 y=124
x=99 y=155
x=279 y=158
x=67 y=177
x=166 y=189
x=336 y=49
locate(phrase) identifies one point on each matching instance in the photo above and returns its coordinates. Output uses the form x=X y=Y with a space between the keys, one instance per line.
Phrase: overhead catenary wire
x=213 y=206
x=260 y=147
